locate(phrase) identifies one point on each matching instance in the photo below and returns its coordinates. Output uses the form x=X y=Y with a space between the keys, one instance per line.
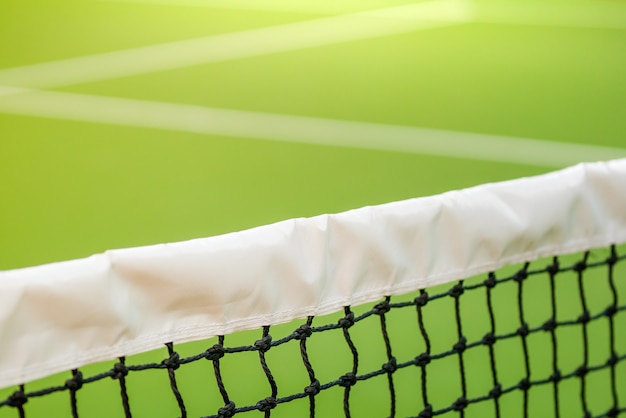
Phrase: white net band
x=64 y=315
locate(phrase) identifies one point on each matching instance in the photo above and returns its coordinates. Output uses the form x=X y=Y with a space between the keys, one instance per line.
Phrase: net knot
x=549 y=325
x=553 y=268
x=580 y=266
x=460 y=404
x=226 y=411
x=382 y=308
x=391 y=366
x=556 y=376
x=456 y=291
x=215 y=353
x=172 y=362
x=266 y=404
x=347 y=321
x=524 y=384
x=17 y=399
x=613 y=412
x=75 y=382
x=612 y=361
x=490 y=282
x=521 y=275
x=119 y=370
x=304 y=331
x=581 y=371
x=523 y=330
x=426 y=412
x=612 y=259
x=611 y=310
x=347 y=380
x=313 y=389
x=264 y=344
x=460 y=346
x=584 y=317
x=489 y=339
x=496 y=392
x=422 y=360
x=422 y=299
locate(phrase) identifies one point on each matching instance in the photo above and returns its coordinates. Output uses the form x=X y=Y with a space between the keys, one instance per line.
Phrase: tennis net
x=502 y=300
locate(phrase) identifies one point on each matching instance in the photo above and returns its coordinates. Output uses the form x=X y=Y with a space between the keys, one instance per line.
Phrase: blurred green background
x=70 y=187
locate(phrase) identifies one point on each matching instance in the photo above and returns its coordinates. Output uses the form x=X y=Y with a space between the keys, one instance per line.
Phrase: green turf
x=70 y=189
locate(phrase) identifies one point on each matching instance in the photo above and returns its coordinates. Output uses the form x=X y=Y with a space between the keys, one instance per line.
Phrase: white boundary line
x=589 y=15
x=285 y=6
x=248 y=43
x=295 y=36
x=593 y=14
x=298 y=129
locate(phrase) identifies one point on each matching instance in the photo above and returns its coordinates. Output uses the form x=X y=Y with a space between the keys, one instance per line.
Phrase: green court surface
x=127 y=123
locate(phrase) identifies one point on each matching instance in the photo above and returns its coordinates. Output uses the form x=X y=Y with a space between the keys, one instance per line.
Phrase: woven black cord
x=461 y=403
x=584 y=320
x=611 y=311
x=390 y=367
x=122 y=371
x=219 y=348
x=550 y=326
x=74 y=384
x=423 y=359
x=214 y=354
x=314 y=387
x=264 y=344
x=523 y=332
x=349 y=379
x=20 y=408
x=172 y=363
x=490 y=340
x=18 y=399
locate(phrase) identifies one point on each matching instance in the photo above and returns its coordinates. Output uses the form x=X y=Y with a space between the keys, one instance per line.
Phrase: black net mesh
x=546 y=338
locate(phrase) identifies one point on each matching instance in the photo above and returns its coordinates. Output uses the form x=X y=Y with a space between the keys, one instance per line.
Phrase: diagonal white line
x=249 y=43
x=297 y=129
x=591 y=14
x=286 y=6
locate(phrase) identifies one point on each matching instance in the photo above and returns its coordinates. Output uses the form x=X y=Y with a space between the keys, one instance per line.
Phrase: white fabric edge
x=65 y=315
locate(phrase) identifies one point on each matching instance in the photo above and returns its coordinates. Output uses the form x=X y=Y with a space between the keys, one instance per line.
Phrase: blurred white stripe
x=298 y=129
x=591 y=14
x=286 y=6
x=248 y=43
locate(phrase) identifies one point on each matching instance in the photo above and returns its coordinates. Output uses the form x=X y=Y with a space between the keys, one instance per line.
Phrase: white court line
x=297 y=129
x=249 y=43
x=285 y=6
x=592 y=14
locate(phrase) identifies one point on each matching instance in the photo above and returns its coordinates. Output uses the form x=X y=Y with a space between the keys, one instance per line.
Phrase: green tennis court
x=129 y=123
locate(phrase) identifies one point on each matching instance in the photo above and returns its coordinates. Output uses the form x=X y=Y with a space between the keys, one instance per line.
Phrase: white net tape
x=64 y=315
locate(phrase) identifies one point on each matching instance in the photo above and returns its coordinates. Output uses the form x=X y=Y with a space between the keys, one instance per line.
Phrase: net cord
x=124 y=302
